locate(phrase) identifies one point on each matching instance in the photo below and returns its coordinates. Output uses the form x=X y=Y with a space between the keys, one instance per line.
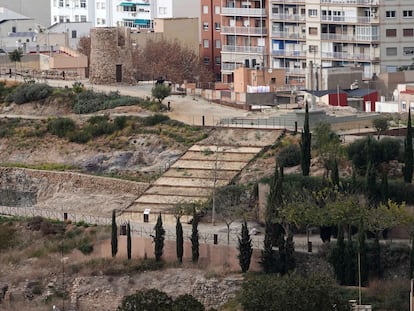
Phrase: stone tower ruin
x=111 y=56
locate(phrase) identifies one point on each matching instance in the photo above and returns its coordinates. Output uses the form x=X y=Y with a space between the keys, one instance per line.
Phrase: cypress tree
x=335 y=174
x=376 y=255
x=180 y=240
x=408 y=152
x=370 y=185
x=268 y=257
x=245 y=248
x=129 y=241
x=290 y=262
x=194 y=237
x=114 y=235
x=338 y=260
x=159 y=238
x=305 y=145
x=384 y=188
x=362 y=250
x=350 y=264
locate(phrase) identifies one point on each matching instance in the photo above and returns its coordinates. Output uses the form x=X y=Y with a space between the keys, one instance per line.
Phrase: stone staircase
x=193 y=177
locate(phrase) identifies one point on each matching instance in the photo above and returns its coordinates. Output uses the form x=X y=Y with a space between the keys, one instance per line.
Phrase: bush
x=289 y=156
x=86 y=248
x=29 y=92
x=120 y=122
x=61 y=127
x=89 y=101
x=80 y=137
x=155 y=119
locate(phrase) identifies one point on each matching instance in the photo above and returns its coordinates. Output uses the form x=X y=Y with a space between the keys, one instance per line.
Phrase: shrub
x=7 y=236
x=61 y=126
x=155 y=119
x=289 y=156
x=120 y=122
x=86 y=248
x=29 y=92
x=80 y=137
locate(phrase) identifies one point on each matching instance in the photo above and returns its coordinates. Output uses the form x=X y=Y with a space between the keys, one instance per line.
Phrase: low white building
x=401 y=101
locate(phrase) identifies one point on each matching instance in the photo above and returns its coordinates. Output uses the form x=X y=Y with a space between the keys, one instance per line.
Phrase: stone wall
x=110 y=47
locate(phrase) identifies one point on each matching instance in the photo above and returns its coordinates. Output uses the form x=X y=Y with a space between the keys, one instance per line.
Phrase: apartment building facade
x=210 y=36
x=136 y=14
x=375 y=35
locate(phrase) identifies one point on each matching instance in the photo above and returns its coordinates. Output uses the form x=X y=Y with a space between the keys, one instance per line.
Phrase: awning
x=127 y=4
x=141 y=21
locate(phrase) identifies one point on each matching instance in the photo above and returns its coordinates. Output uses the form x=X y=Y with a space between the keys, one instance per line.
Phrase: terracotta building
x=210 y=27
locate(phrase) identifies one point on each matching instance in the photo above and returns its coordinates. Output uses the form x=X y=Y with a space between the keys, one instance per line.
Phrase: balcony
x=288 y=53
x=242 y=49
x=348 y=56
x=288 y=35
x=351 y=2
x=230 y=66
x=344 y=37
x=288 y=17
x=295 y=71
x=289 y=1
x=349 y=19
x=250 y=31
x=243 y=12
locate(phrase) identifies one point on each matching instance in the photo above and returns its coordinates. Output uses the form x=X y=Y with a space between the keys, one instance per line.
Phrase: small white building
x=401 y=101
x=73 y=31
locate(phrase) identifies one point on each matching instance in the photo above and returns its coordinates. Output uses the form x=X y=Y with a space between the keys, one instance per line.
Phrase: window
x=408 y=13
x=391 y=32
x=67 y=19
x=61 y=19
x=162 y=10
x=391 y=51
x=103 y=21
x=206 y=60
x=103 y=5
x=205 y=26
x=217 y=26
x=390 y=14
x=54 y=3
x=313 y=48
x=218 y=60
x=55 y=19
x=218 y=44
x=61 y=3
x=205 y=9
x=14 y=29
x=74 y=34
x=313 y=30
x=83 y=18
x=83 y=3
x=408 y=51
x=206 y=43
x=408 y=32
x=403 y=105
x=273 y=80
x=217 y=9
x=312 y=13
x=98 y=5
x=76 y=18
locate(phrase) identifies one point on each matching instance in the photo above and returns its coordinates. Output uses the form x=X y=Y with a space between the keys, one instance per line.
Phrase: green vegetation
x=155 y=300
x=159 y=239
x=29 y=92
x=160 y=92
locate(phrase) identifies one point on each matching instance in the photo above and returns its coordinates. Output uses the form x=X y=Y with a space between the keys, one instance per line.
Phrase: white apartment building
x=129 y=13
x=376 y=35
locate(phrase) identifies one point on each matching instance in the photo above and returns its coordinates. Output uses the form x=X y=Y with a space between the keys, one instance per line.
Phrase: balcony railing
x=243 y=12
x=352 y=2
x=288 y=17
x=289 y=1
x=288 y=53
x=230 y=66
x=242 y=49
x=254 y=31
x=295 y=71
x=288 y=35
x=348 y=56
x=349 y=19
x=342 y=37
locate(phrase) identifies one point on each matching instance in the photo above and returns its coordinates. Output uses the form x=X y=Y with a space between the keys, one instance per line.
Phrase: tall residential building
x=376 y=35
x=244 y=34
x=210 y=27
x=129 y=13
